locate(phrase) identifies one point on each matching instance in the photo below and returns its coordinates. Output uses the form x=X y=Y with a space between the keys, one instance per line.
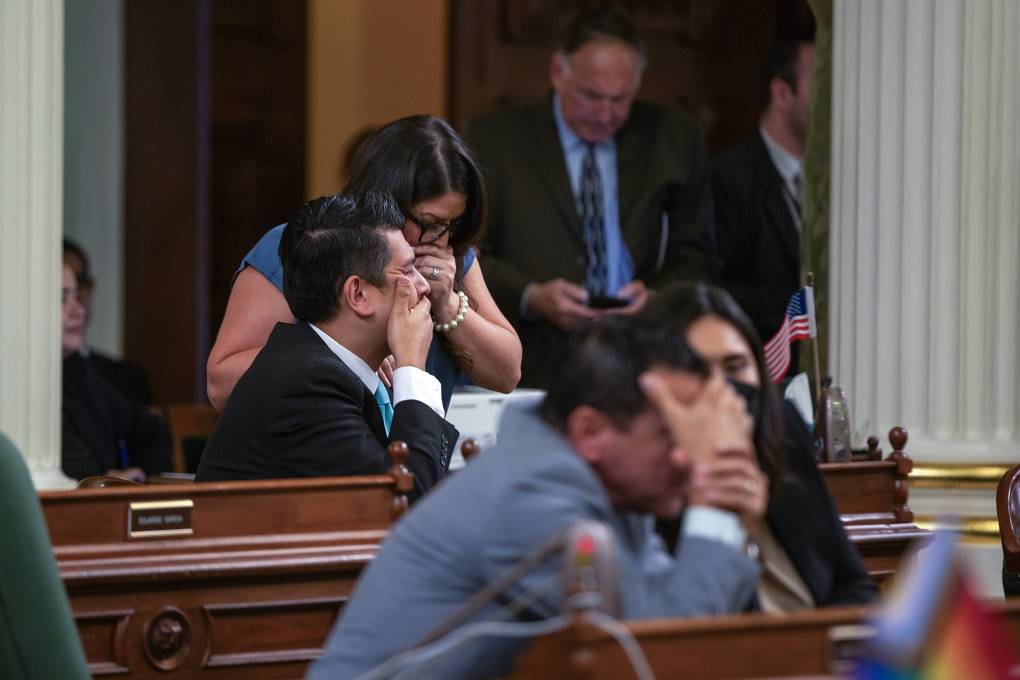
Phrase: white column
x=94 y=156
x=31 y=136
x=925 y=214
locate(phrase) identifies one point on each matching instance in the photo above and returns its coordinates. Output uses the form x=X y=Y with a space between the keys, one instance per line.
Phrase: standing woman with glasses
x=429 y=171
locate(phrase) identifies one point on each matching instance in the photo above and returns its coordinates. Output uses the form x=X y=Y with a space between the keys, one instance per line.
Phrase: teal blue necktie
x=382 y=397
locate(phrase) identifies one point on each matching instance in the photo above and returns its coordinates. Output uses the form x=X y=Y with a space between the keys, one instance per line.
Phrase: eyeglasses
x=430 y=233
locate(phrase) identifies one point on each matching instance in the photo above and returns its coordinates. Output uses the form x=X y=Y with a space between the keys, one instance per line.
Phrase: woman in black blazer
x=808 y=561
x=102 y=431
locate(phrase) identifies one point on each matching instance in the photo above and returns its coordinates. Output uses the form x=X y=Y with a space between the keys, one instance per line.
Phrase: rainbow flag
x=934 y=628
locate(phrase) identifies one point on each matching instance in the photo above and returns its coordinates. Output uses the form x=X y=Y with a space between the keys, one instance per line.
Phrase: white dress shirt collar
x=788 y=165
x=351 y=360
x=409 y=382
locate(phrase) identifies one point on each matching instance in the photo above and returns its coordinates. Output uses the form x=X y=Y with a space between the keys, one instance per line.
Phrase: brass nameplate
x=160 y=518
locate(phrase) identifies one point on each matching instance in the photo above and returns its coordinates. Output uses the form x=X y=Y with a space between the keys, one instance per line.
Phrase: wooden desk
x=873 y=492
x=871 y=498
x=744 y=646
x=253 y=589
x=257 y=585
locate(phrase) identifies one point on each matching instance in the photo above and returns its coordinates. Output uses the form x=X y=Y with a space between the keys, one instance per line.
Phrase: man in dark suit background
x=593 y=195
x=312 y=402
x=757 y=189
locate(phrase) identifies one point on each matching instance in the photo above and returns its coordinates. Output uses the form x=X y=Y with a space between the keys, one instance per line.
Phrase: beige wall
x=368 y=63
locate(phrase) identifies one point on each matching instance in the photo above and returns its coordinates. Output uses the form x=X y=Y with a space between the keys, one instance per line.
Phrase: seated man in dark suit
x=632 y=428
x=312 y=402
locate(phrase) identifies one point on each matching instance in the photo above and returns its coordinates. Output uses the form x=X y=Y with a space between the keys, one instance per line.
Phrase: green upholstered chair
x=38 y=638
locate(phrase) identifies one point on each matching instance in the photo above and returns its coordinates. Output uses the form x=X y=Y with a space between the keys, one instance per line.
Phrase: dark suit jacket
x=100 y=425
x=299 y=411
x=759 y=244
x=534 y=233
x=132 y=381
x=804 y=520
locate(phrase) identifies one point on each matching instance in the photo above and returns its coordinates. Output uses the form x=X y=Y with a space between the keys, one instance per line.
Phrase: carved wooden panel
x=253 y=590
x=246 y=633
x=167 y=638
x=103 y=639
x=703 y=54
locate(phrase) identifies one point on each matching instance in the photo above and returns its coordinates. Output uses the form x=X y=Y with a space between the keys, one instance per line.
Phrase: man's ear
x=780 y=92
x=588 y=430
x=354 y=294
x=558 y=68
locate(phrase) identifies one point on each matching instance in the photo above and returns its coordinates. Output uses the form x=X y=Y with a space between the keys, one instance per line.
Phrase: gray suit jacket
x=534 y=233
x=481 y=522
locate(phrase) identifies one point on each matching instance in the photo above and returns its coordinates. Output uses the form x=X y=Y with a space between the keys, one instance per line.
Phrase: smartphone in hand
x=607 y=302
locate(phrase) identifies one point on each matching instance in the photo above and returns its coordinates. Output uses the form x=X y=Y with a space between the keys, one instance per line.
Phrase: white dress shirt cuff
x=410 y=382
x=715 y=525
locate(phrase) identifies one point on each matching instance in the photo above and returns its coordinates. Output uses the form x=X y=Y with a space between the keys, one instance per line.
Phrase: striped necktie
x=798 y=190
x=593 y=224
x=382 y=397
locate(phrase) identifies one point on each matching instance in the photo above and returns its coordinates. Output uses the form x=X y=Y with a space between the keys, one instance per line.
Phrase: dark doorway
x=214 y=155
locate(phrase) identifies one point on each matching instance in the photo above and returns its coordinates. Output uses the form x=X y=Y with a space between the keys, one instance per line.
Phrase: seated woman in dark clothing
x=103 y=433
x=807 y=559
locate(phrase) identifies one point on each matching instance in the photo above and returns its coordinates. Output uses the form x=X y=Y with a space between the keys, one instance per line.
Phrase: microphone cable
x=434 y=649
x=635 y=655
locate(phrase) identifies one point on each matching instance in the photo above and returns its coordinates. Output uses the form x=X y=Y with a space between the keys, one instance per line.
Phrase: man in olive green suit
x=596 y=199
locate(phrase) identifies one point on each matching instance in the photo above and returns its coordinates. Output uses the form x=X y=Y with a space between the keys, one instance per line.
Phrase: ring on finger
x=750 y=486
x=435 y=273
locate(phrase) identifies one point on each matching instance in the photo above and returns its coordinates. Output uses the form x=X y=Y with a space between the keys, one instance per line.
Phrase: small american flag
x=799 y=324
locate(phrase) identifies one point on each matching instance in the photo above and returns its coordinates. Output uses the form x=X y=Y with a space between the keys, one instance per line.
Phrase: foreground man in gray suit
x=633 y=427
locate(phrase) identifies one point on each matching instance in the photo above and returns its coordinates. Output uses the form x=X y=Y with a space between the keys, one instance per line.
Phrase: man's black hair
x=600 y=364
x=327 y=241
x=780 y=62
x=600 y=23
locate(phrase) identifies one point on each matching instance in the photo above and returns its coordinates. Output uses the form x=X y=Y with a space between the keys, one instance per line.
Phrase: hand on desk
x=134 y=474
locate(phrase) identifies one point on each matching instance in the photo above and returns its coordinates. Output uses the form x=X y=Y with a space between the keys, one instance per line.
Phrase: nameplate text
x=160 y=518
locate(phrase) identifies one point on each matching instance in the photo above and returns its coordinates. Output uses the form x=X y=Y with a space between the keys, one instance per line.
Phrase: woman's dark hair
x=418 y=158
x=678 y=306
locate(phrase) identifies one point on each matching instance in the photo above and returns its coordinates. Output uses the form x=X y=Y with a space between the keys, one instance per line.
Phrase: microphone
x=590 y=579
